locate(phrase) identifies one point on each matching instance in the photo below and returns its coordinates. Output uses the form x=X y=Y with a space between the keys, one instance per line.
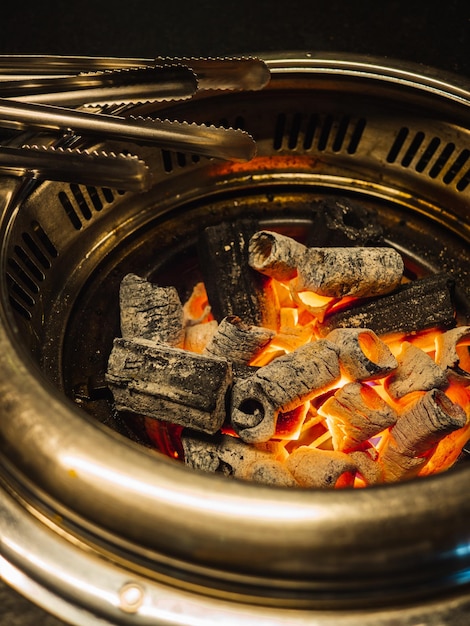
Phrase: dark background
x=429 y=33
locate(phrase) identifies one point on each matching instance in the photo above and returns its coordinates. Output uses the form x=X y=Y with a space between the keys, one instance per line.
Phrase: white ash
x=416 y=371
x=148 y=311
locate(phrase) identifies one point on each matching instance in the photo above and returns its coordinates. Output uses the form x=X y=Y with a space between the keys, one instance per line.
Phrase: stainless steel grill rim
x=189 y=540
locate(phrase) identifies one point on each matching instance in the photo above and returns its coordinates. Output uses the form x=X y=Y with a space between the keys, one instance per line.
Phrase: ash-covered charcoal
x=169 y=384
x=362 y=354
x=358 y=272
x=232 y=286
x=341 y=222
x=269 y=472
x=148 y=311
x=416 y=371
x=332 y=272
x=354 y=414
x=416 y=432
x=227 y=455
x=280 y=386
x=237 y=341
x=275 y=255
x=367 y=466
x=312 y=467
x=452 y=352
x=421 y=304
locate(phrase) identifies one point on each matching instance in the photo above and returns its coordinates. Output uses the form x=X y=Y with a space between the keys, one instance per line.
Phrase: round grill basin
x=86 y=511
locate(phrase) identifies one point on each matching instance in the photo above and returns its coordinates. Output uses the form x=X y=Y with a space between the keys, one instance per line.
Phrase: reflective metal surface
x=202 y=549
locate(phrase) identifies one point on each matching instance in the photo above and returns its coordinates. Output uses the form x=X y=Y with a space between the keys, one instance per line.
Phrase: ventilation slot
x=80 y=202
x=456 y=166
x=464 y=181
x=428 y=154
x=20 y=299
x=442 y=160
x=28 y=263
x=397 y=145
x=316 y=131
x=412 y=151
x=22 y=276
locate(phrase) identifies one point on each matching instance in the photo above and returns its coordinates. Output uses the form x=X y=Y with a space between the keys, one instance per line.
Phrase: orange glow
x=300 y=318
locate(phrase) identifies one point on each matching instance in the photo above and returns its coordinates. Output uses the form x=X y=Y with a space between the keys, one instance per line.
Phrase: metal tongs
x=110 y=81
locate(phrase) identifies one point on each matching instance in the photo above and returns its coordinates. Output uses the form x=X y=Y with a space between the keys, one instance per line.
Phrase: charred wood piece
x=417 y=431
x=150 y=312
x=448 y=356
x=340 y=222
x=312 y=467
x=281 y=386
x=232 y=286
x=367 y=466
x=238 y=342
x=275 y=255
x=333 y=272
x=418 y=305
x=169 y=384
x=354 y=414
x=416 y=371
x=230 y=456
x=269 y=472
x=362 y=354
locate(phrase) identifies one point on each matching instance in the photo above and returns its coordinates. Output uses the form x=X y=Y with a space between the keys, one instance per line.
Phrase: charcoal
x=282 y=385
x=333 y=272
x=417 y=431
x=341 y=222
x=150 y=312
x=169 y=384
x=238 y=342
x=224 y=454
x=362 y=355
x=269 y=472
x=417 y=305
x=275 y=255
x=312 y=467
x=232 y=286
x=416 y=371
x=447 y=355
x=367 y=466
x=354 y=414
x=358 y=272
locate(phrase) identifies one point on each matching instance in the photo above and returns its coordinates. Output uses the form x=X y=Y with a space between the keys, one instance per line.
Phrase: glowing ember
x=313 y=406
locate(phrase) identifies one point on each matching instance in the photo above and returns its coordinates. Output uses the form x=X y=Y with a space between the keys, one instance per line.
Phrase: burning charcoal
x=417 y=431
x=339 y=272
x=332 y=272
x=233 y=288
x=354 y=414
x=150 y=312
x=312 y=467
x=237 y=341
x=169 y=384
x=362 y=355
x=447 y=352
x=418 y=305
x=269 y=472
x=275 y=255
x=340 y=222
x=367 y=466
x=222 y=454
x=416 y=371
x=280 y=386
